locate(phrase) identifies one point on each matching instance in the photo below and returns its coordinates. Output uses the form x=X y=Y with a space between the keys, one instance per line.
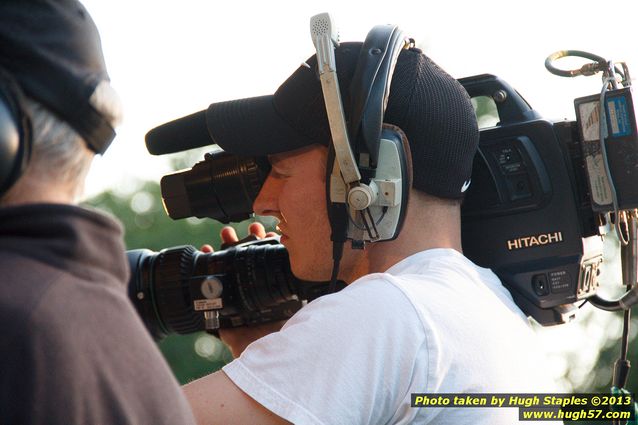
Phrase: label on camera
x=590 y=121
x=619 y=116
x=598 y=182
x=559 y=281
x=214 y=304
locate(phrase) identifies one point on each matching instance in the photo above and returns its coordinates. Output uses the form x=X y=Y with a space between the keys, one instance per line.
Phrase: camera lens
x=197 y=192
x=261 y=291
x=171 y=289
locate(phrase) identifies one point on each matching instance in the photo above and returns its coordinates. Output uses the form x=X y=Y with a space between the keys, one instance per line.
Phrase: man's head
x=295 y=193
x=51 y=58
x=429 y=106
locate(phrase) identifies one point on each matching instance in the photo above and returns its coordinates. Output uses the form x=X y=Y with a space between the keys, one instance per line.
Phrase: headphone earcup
x=405 y=152
x=15 y=133
x=394 y=180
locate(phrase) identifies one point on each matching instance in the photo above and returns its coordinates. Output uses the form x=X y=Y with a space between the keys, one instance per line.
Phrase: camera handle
x=512 y=107
x=588 y=69
x=600 y=64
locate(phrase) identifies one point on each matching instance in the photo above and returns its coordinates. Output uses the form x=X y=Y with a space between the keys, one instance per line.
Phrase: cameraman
x=72 y=348
x=416 y=317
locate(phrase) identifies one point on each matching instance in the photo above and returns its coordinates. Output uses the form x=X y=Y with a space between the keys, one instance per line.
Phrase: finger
x=257 y=229
x=207 y=249
x=229 y=235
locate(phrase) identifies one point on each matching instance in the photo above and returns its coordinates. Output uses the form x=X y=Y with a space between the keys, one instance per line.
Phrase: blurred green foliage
x=146 y=224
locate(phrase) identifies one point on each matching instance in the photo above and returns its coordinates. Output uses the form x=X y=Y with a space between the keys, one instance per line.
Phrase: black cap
x=52 y=49
x=431 y=107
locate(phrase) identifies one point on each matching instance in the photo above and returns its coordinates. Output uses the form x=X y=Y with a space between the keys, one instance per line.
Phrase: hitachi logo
x=530 y=241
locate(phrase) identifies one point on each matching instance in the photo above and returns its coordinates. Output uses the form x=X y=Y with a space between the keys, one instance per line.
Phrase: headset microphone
x=375 y=206
x=358 y=196
x=325 y=38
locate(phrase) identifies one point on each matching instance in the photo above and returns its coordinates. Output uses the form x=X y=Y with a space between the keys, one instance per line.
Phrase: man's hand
x=229 y=236
x=238 y=339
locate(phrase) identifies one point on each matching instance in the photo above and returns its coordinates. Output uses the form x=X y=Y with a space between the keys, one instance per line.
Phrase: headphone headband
x=370 y=87
x=367 y=187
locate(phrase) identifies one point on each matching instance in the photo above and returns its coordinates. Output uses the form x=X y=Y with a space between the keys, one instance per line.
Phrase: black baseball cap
x=52 y=49
x=431 y=107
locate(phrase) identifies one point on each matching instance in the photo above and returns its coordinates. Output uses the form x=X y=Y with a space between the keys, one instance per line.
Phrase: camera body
x=545 y=193
x=528 y=214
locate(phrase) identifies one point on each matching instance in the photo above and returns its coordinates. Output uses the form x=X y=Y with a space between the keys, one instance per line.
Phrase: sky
x=167 y=59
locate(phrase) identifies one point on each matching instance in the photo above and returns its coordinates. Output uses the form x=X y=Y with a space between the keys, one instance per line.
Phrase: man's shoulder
x=447 y=274
x=432 y=280
x=62 y=334
x=437 y=261
x=428 y=275
x=29 y=284
x=48 y=305
x=447 y=293
x=373 y=292
x=24 y=284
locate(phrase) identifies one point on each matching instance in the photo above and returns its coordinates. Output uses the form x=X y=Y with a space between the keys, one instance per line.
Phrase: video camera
x=542 y=196
x=544 y=193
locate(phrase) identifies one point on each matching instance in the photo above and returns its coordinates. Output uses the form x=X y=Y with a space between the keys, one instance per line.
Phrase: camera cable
x=603 y=132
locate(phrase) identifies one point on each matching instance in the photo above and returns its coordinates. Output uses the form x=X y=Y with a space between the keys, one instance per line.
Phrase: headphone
x=369 y=163
x=15 y=132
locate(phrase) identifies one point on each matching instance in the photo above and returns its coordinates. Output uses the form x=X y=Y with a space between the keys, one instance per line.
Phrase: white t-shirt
x=433 y=323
